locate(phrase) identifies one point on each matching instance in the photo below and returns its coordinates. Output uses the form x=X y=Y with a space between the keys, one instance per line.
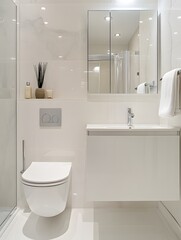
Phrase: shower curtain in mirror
x=120 y=82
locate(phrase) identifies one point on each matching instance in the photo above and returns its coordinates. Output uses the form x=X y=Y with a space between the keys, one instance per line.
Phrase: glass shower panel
x=8 y=23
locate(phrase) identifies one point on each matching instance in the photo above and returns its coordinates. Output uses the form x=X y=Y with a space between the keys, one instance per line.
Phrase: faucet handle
x=130 y=113
x=130 y=116
x=129 y=110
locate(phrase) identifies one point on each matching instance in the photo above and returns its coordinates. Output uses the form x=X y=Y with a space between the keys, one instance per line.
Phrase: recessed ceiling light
x=175 y=33
x=108 y=18
x=140 y=21
x=96 y=69
x=150 y=18
x=45 y=23
x=147 y=39
x=117 y=34
x=179 y=17
x=59 y=36
x=43 y=8
x=60 y=56
x=13 y=20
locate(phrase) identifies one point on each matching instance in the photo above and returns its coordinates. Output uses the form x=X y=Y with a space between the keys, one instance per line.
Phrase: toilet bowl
x=46 y=187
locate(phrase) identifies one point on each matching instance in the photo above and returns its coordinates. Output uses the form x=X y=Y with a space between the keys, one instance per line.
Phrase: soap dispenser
x=28 y=91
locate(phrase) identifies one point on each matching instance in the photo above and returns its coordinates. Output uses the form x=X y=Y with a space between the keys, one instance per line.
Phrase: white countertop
x=152 y=128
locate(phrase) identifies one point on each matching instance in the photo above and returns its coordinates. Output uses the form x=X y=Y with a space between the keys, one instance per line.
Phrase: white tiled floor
x=91 y=224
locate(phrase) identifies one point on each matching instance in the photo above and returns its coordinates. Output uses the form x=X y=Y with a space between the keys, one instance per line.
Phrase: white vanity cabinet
x=138 y=164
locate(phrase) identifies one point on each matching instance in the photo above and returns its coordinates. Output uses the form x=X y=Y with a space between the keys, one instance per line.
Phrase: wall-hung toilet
x=46 y=187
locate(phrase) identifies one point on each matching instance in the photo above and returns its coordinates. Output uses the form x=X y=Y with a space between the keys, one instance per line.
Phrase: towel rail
x=178 y=73
x=146 y=84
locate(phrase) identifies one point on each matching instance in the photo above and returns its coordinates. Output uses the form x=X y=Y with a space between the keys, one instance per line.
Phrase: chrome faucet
x=130 y=117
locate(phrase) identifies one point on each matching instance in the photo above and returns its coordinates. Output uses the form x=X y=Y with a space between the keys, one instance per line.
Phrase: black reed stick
x=40 y=70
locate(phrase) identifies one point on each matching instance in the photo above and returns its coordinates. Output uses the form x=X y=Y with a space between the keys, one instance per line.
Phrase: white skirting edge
x=8 y=221
x=174 y=225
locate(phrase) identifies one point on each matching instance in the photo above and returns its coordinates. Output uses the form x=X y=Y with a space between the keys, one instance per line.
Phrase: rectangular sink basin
x=136 y=129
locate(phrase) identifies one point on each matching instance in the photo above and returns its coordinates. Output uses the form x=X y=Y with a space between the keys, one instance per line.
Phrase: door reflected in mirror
x=122 y=52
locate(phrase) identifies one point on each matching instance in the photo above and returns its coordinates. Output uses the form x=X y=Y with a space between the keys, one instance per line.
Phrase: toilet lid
x=47 y=172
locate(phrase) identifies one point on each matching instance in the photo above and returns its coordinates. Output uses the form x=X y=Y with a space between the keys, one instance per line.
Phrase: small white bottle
x=28 y=91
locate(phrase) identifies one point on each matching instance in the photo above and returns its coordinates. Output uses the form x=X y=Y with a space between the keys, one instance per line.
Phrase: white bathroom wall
x=170 y=35
x=7 y=105
x=67 y=77
x=170 y=59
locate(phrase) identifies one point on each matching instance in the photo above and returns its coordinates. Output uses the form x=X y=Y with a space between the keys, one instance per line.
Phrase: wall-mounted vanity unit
x=122 y=51
x=137 y=164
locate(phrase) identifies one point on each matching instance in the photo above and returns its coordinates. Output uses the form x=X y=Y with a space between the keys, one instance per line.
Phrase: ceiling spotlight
x=150 y=18
x=117 y=35
x=45 y=23
x=59 y=36
x=140 y=21
x=43 y=8
x=96 y=69
x=175 y=33
x=108 y=19
x=179 y=17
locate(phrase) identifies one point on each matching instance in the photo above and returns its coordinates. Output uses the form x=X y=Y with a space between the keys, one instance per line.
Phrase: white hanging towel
x=169 y=92
x=143 y=88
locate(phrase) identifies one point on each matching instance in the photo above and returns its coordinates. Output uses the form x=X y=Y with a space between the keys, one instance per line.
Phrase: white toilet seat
x=45 y=174
x=44 y=184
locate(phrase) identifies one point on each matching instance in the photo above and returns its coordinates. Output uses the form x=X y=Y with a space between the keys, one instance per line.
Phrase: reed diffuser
x=40 y=70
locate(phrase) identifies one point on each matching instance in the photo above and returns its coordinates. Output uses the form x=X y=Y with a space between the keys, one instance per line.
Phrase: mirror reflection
x=122 y=51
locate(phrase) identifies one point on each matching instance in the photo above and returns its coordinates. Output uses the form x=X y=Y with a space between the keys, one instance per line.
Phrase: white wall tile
x=171 y=58
x=67 y=77
x=68 y=143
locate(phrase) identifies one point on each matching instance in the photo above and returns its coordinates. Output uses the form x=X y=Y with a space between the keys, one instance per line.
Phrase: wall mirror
x=122 y=52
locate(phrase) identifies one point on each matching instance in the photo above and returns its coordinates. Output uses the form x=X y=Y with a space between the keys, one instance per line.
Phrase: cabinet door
x=132 y=168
